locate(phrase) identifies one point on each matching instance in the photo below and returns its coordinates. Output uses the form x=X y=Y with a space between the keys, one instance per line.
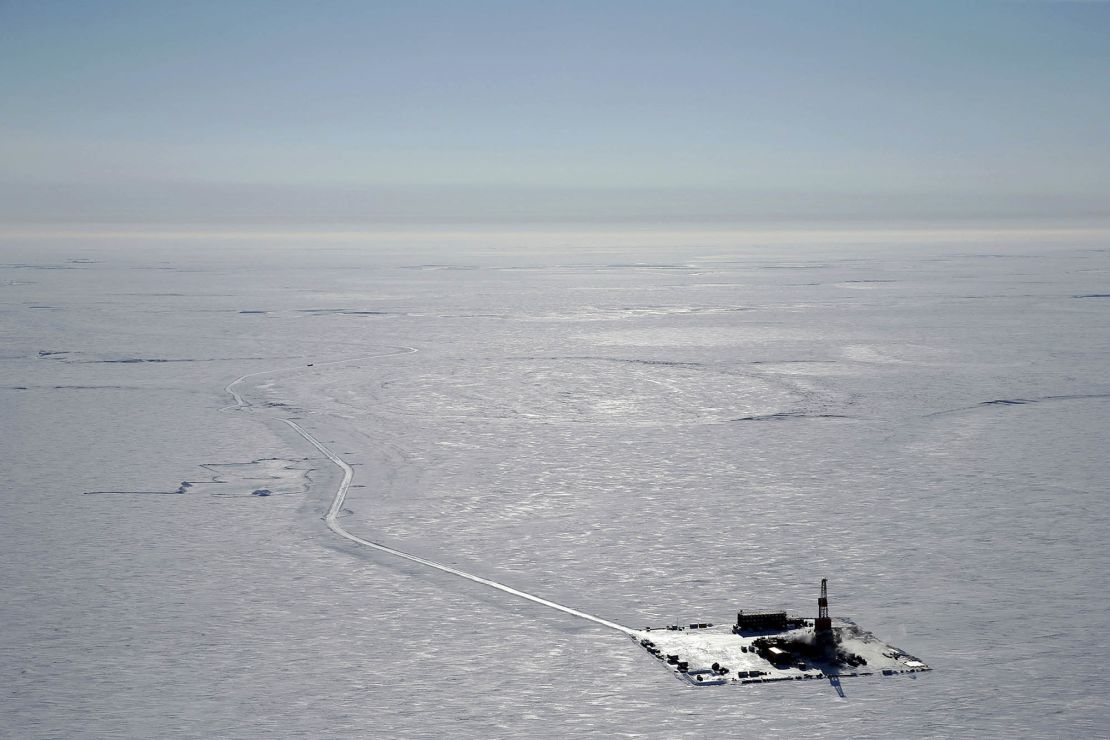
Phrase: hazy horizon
x=716 y=112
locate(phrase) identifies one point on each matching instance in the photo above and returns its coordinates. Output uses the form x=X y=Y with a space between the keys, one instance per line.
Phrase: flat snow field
x=645 y=429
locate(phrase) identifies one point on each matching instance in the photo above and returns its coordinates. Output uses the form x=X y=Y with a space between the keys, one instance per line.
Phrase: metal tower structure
x=823 y=624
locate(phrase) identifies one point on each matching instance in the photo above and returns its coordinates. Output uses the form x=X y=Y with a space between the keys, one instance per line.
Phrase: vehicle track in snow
x=332 y=516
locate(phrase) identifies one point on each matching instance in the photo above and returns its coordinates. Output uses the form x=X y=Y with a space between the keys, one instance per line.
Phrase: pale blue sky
x=341 y=112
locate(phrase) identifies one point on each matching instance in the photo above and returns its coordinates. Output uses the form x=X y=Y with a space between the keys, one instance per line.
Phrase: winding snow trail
x=332 y=517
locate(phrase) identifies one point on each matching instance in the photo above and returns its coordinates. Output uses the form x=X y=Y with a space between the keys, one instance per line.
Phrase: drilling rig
x=822 y=626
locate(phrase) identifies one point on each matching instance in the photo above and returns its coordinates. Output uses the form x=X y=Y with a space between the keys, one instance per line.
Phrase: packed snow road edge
x=332 y=517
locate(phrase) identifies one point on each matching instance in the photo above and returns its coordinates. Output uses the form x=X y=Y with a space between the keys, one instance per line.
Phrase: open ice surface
x=652 y=436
